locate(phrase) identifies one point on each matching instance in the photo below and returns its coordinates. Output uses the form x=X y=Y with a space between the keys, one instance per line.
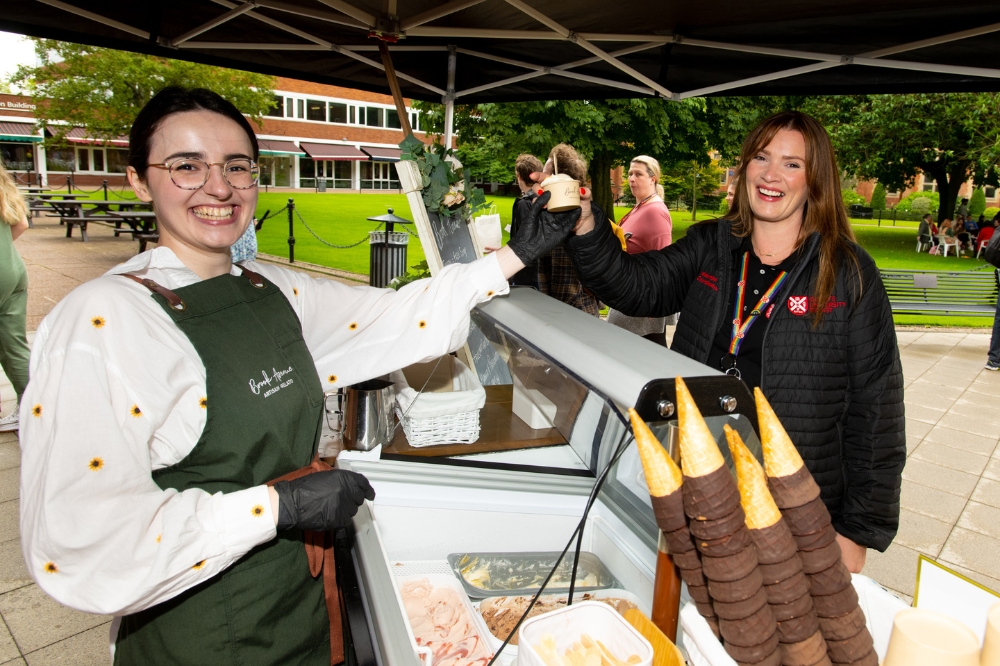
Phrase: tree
x=977 y=203
x=677 y=180
x=878 y=197
x=607 y=132
x=948 y=136
x=102 y=90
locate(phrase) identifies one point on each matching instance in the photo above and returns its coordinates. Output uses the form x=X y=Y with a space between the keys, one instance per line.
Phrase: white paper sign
x=945 y=591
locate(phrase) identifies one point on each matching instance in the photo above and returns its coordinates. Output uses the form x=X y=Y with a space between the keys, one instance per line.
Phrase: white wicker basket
x=447 y=412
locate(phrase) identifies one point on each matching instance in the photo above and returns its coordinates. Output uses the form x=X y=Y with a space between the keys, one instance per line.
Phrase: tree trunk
x=600 y=182
x=949 y=181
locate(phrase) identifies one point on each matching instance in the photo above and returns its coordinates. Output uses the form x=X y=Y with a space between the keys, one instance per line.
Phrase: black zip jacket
x=837 y=388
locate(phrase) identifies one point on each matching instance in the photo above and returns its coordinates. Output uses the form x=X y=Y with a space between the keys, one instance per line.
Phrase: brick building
x=317 y=137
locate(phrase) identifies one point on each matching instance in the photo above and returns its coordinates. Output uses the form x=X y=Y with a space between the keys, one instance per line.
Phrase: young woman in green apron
x=167 y=393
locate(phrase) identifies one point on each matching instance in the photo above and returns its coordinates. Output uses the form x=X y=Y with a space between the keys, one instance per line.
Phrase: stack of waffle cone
x=664 y=480
x=786 y=590
x=841 y=620
x=729 y=561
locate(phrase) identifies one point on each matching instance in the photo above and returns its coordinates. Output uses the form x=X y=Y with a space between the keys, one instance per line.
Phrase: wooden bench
x=77 y=221
x=957 y=293
x=145 y=238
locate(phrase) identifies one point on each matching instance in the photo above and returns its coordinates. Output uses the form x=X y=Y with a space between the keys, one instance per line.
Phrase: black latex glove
x=321 y=501
x=541 y=231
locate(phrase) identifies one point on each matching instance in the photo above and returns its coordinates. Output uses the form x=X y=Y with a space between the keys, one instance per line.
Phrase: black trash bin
x=388 y=250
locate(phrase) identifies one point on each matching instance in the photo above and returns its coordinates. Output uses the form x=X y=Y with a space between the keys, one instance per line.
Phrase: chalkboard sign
x=453 y=236
x=452 y=240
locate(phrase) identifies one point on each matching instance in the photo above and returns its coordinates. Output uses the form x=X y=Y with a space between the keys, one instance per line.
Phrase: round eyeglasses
x=188 y=174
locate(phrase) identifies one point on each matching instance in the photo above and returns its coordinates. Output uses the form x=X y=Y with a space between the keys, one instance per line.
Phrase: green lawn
x=340 y=219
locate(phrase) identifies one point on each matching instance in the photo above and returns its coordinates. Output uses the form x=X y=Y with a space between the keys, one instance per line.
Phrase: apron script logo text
x=271 y=382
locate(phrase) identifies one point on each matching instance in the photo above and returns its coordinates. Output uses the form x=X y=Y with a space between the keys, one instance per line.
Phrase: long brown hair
x=824 y=209
x=13 y=208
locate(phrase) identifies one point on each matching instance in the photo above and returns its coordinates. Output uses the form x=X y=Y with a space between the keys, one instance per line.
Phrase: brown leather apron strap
x=176 y=302
x=319 y=551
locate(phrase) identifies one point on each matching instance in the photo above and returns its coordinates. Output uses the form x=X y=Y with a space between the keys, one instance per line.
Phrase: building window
x=991 y=192
x=342 y=175
x=338 y=113
x=392 y=119
x=17 y=156
x=82 y=159
x=98 y=159
x=307 y=172
x=289 y=107
x=117 y=160
x=351 y=109
x=315 y=110
x=278 y=110
x=276 y=171
x=373 y=117
x=929 y=185
x=378 y=176
x=60 y=159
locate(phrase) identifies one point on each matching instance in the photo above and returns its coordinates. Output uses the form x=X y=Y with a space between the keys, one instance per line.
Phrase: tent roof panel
x=303 y=39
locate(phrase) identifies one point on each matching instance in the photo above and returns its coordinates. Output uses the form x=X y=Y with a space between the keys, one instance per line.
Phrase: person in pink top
x=647 y=227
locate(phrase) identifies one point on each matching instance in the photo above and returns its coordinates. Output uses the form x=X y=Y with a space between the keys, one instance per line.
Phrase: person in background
x=962 y=234
x=524 y=166
x=973 y=226
x=963 y=208
x=730 y=193
x=779 y=294
x=647 y=227
x=13 y=293
x=924 y=230
x=556 y=275
x=993 y=357
x=946 y=235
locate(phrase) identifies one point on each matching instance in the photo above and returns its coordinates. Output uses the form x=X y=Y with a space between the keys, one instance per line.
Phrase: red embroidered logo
x=798 y=305
x=767 y=313
x=708 y=280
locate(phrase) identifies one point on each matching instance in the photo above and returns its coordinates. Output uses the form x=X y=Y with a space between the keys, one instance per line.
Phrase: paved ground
x=951 y=487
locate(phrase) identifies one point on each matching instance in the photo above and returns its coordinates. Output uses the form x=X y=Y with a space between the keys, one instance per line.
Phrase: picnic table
x=142 y=225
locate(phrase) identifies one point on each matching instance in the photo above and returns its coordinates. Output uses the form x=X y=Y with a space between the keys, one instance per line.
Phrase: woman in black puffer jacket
x=778 y=293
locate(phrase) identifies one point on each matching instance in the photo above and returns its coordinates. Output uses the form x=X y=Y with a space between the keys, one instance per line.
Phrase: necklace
x=783 y=252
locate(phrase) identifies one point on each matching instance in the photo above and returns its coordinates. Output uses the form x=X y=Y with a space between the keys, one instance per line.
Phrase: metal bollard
x=105 y=189
x=69 y=185
x=291 y=231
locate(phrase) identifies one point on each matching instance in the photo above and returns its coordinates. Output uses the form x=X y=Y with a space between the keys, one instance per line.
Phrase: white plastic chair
x=922 y=243
x=945 y=245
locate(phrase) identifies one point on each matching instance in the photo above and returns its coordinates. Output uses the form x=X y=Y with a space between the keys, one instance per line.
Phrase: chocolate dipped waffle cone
x=791 y=483
x=730 y=567
x=699 y=593
x=835 y=605
x=735 y=590
x=754 y=654
x=753 y=629
x=663 y=477
x=843 y=627
x=809 y=518
x=700 y=455
x=798 y=628
x=870 y=659
x=717 y=529
x=688 y=560
x=711 y=496
x=804 y=653
x=741 y=609
x=679 y=541
x=774 y=659
x=775 y=573
x=728 y=545
x=693 y=577
x=787 y=590
x=816 y=540
x=829 y=581
x=814 y=561
x=850 y=649
x=794 y=608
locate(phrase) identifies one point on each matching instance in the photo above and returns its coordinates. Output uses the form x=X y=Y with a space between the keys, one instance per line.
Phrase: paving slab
x=922 y=533
x=931 y=502
x=36 y=620
x=946 y=456
x=947 y=480
x=973 y=551
x=84 y=649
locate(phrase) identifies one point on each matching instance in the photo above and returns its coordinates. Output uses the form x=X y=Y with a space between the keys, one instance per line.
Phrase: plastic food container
x=593 y=618
x=511 y=650
x=430 y=656
x=515 y=574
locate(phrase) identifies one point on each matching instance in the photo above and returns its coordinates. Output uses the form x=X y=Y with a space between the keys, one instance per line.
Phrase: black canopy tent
x=507 y=50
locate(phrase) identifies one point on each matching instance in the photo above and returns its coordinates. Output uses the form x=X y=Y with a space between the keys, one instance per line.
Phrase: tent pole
x=449 y=99
x=397 y=95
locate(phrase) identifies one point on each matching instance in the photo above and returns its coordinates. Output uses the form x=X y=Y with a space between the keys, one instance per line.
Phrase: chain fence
x=328 y=243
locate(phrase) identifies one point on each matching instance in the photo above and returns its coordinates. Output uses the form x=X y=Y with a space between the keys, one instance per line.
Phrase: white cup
x=925 y=638
x=565 y=192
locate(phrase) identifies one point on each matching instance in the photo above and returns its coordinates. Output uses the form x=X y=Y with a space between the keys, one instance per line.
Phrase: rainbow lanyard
x=740 y=326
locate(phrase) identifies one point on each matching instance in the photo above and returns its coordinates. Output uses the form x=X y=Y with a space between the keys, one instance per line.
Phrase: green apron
x=261 y=424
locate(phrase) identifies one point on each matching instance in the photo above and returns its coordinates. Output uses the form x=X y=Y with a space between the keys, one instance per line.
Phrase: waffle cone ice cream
x=790 y=482
x=712 y=501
